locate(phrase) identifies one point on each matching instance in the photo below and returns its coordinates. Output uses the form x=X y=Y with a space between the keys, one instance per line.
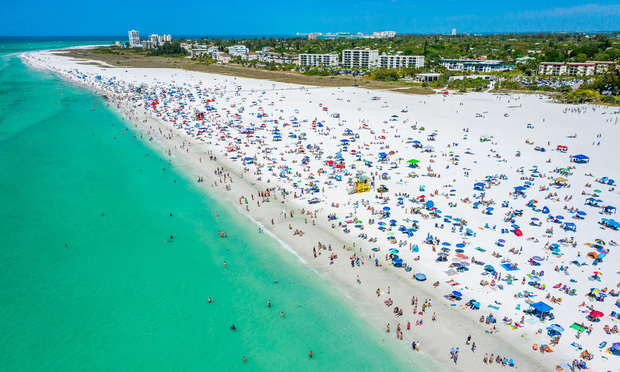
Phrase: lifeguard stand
x=361 y=184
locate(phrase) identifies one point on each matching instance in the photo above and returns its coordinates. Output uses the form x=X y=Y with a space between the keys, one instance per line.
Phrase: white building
x=454 y=32
x=134 y=38
x=399 y=61
x=473 y=65
x=237 y=50
x=383 y=34
x=360 y=58
x=552 y=68
x=318 y=60
x=573 y=69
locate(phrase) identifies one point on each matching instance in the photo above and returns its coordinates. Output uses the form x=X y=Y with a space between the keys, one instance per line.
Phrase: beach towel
x=494 y=307
x=578 y=327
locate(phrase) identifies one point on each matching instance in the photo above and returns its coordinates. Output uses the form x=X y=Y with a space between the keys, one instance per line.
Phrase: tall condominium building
x=360 y=58
x=398 y=61
x=318 y=60
x=134 y=38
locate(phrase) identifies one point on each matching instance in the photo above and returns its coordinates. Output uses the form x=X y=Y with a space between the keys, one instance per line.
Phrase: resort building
x=552 y=68
x=237 y=50
x=398 y=61
x=134 y=38
x=360 y=58
x=588 y=68
x=472 y=65
x=318 y=60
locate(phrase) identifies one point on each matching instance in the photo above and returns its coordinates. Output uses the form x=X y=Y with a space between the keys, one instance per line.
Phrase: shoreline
x=362 y=296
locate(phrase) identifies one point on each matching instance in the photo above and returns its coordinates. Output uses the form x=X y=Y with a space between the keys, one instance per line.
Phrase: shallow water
x=89 y=279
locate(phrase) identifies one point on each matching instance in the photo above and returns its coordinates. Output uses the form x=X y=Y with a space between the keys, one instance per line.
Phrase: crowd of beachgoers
x=499 y=207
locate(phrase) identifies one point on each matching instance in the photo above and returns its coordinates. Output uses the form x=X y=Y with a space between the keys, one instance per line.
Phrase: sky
x=286 y=17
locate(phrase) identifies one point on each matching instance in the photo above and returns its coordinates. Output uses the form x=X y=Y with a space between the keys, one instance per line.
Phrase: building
x=525 y=59
x=428 y=77
x=312 y=36
x=551 y=68
x=148 y=44
x=588 y=68
x=399 y=61
x=237 y=50
x=360 y=58
x=454 y=32
x=134 y=38
x=580 y=69
x=202 y=52
x=318 y=60
x=472 y=65
x=383 y=34
x=223 y=58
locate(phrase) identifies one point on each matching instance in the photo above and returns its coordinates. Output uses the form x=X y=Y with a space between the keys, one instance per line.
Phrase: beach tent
x=569 y=226
x=580 y=159
x=541 y=308
x=489 y=268
x=615 y=348
x=609 y=209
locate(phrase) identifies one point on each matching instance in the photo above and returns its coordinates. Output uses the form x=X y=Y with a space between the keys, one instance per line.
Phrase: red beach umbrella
x=596 y=314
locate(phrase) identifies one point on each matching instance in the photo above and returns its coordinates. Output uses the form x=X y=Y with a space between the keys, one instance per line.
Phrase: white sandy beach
x=299 y=143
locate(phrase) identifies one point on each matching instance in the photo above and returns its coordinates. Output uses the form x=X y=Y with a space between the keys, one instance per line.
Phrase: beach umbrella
x=413 y=161
x=446 y=244
x=489 y=268
x=515 y=226
x=597 y=191
x=535 y=279
x=534 y=219
x=490 y=208
x=581 y=213
x=394 y=251
x=559 y=217
x=460 y=245
x=386 y=208
x=537 y=258
x=457 y=294
x=596 y=314
x=420 y=277
x=459 y=251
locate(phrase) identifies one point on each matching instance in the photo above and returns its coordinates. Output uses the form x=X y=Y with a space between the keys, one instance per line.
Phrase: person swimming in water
x=233 y=327
x=210 y=299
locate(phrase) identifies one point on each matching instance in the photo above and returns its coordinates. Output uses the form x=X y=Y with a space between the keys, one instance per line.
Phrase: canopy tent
x=580 y=159
x=569 y=226
x=541 y=308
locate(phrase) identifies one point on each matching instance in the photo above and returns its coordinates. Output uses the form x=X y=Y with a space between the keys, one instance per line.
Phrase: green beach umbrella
x=597 y=191
x=413 y=161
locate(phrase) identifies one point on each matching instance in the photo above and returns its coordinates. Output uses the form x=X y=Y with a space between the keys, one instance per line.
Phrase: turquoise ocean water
x=117 y=296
